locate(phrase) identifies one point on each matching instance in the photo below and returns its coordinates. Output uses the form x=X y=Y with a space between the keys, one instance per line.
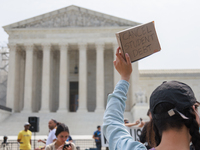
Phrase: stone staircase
x=79 y=123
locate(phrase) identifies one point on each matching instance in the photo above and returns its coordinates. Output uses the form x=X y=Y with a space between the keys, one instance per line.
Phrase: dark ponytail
x=56 y=122
x=153 y=136
x=193 y=127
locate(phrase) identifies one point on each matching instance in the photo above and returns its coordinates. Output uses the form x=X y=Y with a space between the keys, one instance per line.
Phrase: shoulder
x=21 y=132
x=48 y=147
x=73 y=146
x=29 y=132
x=53 y=131
x=98 y=132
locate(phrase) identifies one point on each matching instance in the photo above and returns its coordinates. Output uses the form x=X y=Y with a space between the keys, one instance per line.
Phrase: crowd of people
x=58 y=137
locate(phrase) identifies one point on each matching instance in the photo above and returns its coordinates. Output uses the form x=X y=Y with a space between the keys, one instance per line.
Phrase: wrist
x=125 y=78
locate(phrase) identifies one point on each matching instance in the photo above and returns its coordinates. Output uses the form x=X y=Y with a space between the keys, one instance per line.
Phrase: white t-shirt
x=51 y=137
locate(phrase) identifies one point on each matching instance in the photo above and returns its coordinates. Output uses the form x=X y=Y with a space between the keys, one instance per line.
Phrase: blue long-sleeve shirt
x=113 y=122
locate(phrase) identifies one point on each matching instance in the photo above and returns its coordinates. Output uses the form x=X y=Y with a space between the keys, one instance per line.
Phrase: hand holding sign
x=139 y=42
x=123 y=66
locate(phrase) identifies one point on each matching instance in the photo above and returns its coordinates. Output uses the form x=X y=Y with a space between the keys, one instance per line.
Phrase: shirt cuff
x=122 y=85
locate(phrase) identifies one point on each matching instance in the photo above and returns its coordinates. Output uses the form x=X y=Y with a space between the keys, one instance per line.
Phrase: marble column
x=28 y=86
x=82 y=106
x=46 y=79
x=64 y=80
x=11 y=77
x=117 y=76
x=99 y=77
x=134 y=82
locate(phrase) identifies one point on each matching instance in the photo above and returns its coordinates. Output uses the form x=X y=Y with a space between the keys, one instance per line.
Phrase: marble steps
x=79 y=123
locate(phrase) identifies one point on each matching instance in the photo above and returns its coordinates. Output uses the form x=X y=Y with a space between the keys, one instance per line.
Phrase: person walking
x=24 y=137
x=175 y=118
x=97 y=137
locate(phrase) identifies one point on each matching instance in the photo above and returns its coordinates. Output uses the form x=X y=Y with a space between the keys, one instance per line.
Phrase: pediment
x=72 y=16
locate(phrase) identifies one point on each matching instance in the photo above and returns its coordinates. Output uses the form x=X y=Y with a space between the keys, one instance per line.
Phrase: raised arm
x=42 y=141
x=132 y=124
x=113 y=125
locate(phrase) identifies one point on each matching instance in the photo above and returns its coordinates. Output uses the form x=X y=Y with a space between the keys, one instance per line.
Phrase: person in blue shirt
x=69 y=139
x=175 y=119
x=97 y=137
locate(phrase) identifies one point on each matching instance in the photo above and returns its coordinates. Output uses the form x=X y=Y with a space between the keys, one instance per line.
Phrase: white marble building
x=4 y=55
x=61 y=66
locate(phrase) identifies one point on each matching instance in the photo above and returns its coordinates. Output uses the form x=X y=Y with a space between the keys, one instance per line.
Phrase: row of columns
x=64 y=78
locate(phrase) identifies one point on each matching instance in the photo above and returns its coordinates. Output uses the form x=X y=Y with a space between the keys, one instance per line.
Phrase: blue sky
x=177 y=24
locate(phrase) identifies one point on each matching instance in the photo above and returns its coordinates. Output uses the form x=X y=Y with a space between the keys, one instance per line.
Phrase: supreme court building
x=61 y=67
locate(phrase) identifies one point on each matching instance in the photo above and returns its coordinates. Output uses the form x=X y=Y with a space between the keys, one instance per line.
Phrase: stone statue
x=72 y=18
x=140 y=96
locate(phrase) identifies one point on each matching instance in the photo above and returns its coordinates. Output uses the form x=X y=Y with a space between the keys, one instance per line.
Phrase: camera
x=66 y=145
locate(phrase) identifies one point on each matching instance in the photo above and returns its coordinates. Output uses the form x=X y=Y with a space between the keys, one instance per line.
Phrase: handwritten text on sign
x=139 y=41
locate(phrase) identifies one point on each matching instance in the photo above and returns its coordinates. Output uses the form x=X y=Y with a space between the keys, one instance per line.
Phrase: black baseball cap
x=177 y=93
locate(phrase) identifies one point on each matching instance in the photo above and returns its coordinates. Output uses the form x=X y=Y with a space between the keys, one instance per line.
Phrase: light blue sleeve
x=113 y=122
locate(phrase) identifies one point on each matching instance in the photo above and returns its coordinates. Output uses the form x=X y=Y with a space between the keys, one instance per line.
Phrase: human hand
x=39 y=140
x=142 y=123
x=124 y=67
x=68 y=148
x=137 y=122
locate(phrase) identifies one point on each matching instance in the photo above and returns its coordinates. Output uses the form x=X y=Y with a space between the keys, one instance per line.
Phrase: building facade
x=61 y=66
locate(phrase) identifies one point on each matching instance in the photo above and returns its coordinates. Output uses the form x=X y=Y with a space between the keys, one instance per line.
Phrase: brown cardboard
x=139 y=42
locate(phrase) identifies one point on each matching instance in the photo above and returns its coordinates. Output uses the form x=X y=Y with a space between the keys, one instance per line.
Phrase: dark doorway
x=73 y=96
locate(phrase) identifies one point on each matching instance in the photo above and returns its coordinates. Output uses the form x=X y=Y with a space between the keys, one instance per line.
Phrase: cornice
x=170 y=73
x=67 y=30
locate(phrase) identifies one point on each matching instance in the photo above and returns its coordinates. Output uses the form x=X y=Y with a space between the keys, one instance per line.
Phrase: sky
x=177 y=24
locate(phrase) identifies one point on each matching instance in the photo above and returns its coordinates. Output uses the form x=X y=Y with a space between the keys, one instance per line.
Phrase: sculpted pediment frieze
x=74 y=17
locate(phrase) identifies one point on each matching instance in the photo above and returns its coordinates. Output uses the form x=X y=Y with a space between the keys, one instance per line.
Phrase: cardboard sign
x=135 y=132
x=139 y=42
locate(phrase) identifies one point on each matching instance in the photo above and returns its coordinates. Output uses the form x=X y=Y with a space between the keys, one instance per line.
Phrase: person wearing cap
x=175 y=119
x=24 y=137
